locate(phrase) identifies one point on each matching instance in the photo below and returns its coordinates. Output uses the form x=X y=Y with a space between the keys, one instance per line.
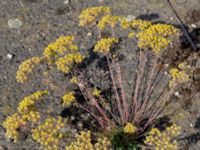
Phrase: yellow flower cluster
x=12 y=124
x=131 y=34
x=96 y=92
x=26 y=113
x=83 y=142
x=28 y=103
x=135 y=24
x=129 y=128
x=26 y=67
x=68 y=99
x=102 y=144
x=65 y=63
x=107 y=21
x=48 y=133
x=32 y=116
x=74 y=80
x=180 y=75
x=90 y=15
x=59 y=47
x=156 y=37
x=104 y=45
x=163 y=140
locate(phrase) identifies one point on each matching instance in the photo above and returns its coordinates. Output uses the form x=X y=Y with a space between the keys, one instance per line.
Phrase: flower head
x=163 y=140
x=12 y=124
x=65 y=64
x=96 y=92
x=180 y=75
x=49 y=133
x=68 y=99
x=26 y=68
x=84 y=142
x=89 y=15
x=130 y=128
x=28 y=103
x=58 y=48
x=135 y=24
x=107 y=21
x=156 y=37
x=104 y=45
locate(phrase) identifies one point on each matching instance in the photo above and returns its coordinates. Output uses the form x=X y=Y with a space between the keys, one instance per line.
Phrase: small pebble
x=10 y=56
x=130 y=18
x=89 y=34
x=14 y=23
x=177 y=94
x=193 y=25
x=80 y=124
x=72 y=118
x=165 y=73
x=191 y=125
x=166 y=65
x=66 y=2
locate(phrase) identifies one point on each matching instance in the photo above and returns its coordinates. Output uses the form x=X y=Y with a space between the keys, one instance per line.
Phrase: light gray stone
x=14 y=23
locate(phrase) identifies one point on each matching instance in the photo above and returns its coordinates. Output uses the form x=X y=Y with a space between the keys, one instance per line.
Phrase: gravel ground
x=42 y=21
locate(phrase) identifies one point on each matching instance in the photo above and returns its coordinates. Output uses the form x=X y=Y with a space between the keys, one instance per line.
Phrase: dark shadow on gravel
x=148 y=17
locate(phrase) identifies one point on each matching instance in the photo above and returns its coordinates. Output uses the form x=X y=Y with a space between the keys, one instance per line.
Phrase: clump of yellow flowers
x=26 y=68
x=64 y=53
x=26 y=113
x=90 y=15
x=163 y=140
x=129 y=128
x=96 y=92
x=58 y=48
x=108 y=20
x=28 y=103
x=68 y=99
x=74 y=80
x=156 y=37
x=104 y=45
x=83 y=142
x=12 y=124
x=180 y=75
x=48 y=133
x=135 y=24
x=65 y=63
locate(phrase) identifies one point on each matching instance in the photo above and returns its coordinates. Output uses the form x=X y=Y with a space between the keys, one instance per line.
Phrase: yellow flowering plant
x=163 y=139
x=26 y=115
x=125 y=114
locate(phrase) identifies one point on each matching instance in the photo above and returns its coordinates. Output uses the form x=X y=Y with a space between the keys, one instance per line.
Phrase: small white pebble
x=72 y=118
x=165 y=73
x=89 y=34
x=66 y=2
x=167 y=65
x=80 y=124
x=191 y=125
x=193 y=25
x=130 y=18
x=10 y=56
x=177 y=94
x=171 y=18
